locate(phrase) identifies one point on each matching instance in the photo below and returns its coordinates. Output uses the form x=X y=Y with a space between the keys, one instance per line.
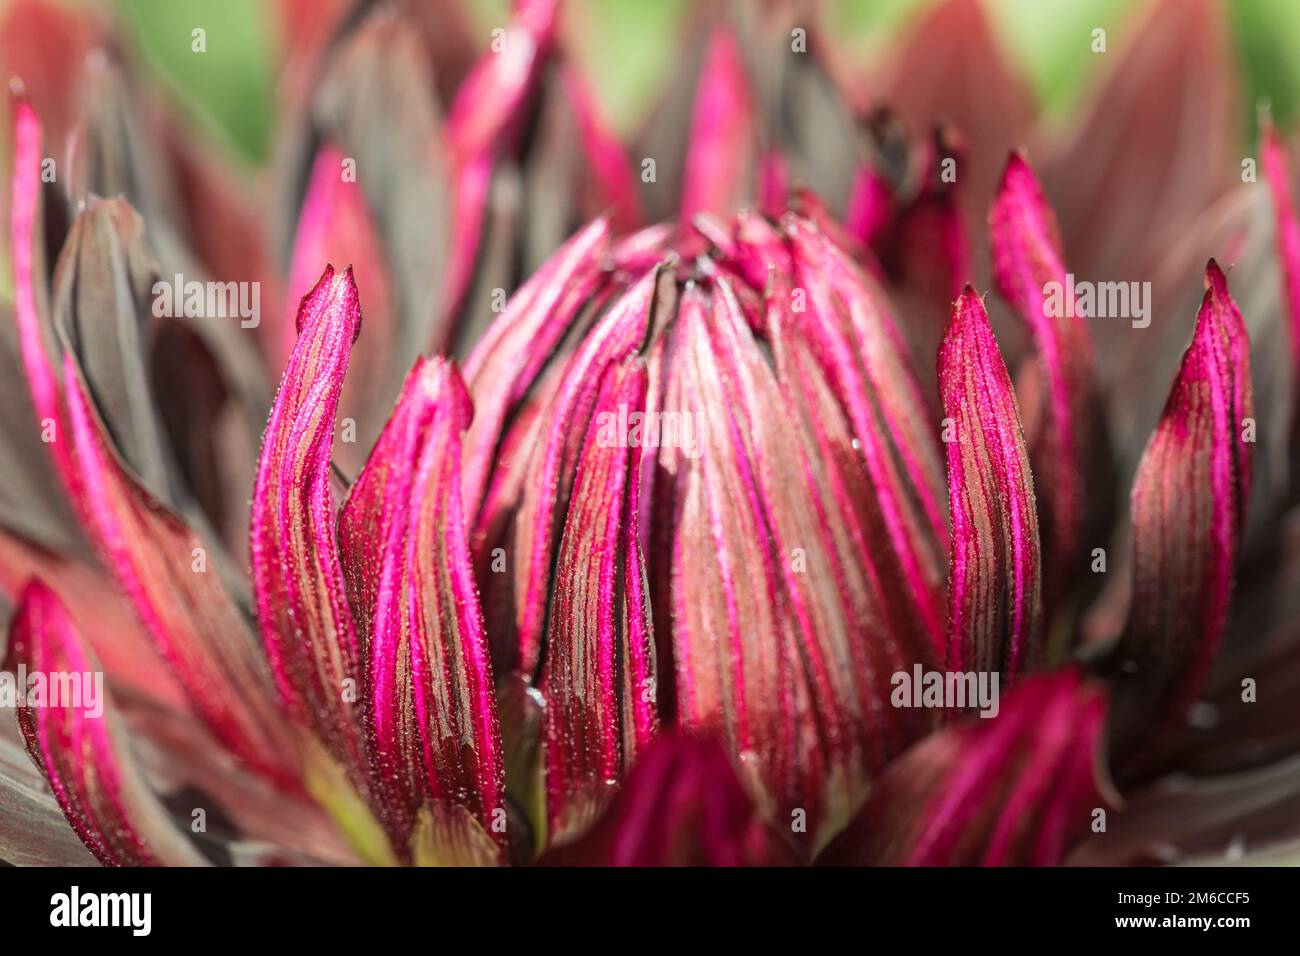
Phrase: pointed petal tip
x=968 y=305
x=1215 y=277
x=334 y=295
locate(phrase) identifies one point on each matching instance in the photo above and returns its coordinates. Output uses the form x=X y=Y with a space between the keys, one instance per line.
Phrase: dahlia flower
x=773 y=518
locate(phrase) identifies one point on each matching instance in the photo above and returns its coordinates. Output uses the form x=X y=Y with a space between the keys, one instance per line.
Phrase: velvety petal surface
x=429 y=703
x=298 y=586
x=1027 y=259
x=598 y=676
x=681 y=806
x=859 y=345
x=1015 y=789
x=76 y=741
x=995 y=586
x=1188 y=504
x=175 y=586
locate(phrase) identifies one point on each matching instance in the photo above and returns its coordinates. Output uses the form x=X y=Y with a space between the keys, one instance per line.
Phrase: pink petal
x=1027 y=257
x=551 y=471
x=429 y=702
x=736 y=655
x=681 y=806
x=298 y=587
x=79 y=745
x=335 y=225
x=508 y=358
x=1015 y=789
x=1188 y=502
x=722 y=132
x=489 y=104
x=1277 y=170
x=598 y=676
x=187 y=612
x=994 y=590
x=615 y=181
x=31 y=302
x=861 y=350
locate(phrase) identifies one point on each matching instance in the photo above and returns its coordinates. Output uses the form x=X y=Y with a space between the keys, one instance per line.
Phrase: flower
x=688 y=555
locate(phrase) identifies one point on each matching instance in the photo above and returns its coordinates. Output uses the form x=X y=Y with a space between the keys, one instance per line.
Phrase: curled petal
x=162 y=565
x=722 y=134
x=682 y=805
x=820 y=705
x=77 y=744
x=298 y=587
x=994 y=590
x=1188 y=501
x=598 y=677
x=1027 y=259
x=868 y=620
x=429 y=702
x=1011 y=790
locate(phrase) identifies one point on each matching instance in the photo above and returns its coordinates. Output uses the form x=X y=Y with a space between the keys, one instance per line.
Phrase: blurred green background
x=630 y=46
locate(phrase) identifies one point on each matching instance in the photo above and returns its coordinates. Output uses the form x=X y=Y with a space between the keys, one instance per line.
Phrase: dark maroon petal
x=44 y=45
x=935 y=249
x=79 y=745
x=1213 y=820
x=1151 y=150
x=1027 y=257
x=298 y=587
x=598 y=677
x=373 y=101
x=1015 y=789
x=864 y=357
x=33 y=829
x=994 y=588
x=682 y=805
x=1188 y=503
x=950 y=68
x=428 y=696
